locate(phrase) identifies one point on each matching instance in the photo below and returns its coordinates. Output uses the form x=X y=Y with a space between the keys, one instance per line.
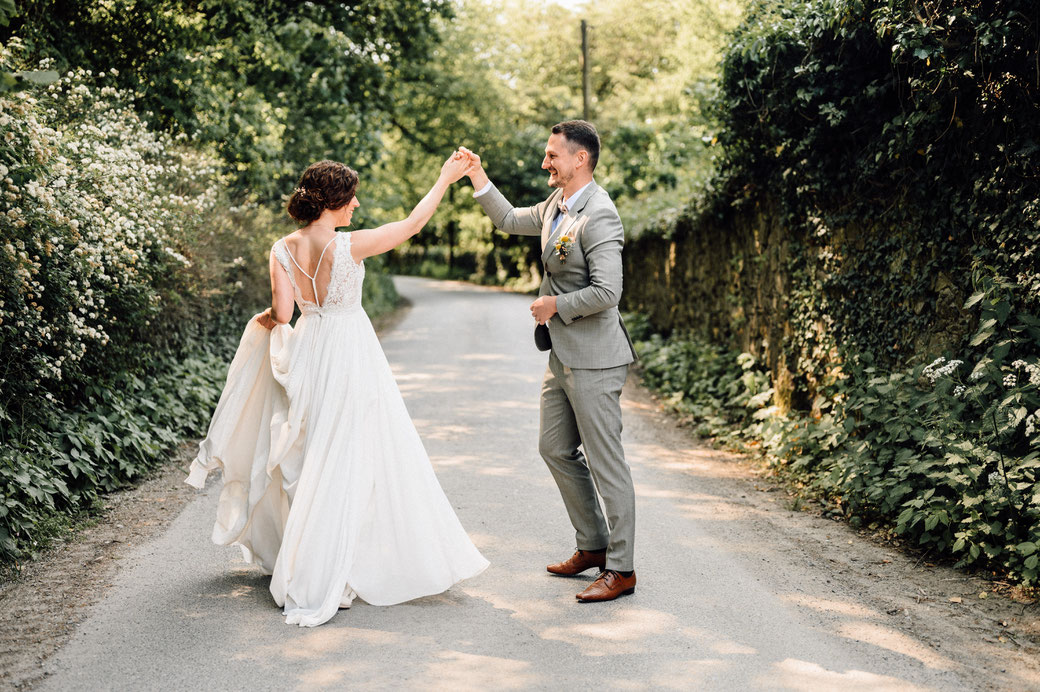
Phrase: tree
x=272 y=85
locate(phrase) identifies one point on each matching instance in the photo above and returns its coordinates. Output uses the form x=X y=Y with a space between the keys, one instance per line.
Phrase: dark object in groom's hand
x=541 y=337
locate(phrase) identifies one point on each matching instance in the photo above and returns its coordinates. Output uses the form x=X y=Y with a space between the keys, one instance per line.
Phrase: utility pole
x=585 y=70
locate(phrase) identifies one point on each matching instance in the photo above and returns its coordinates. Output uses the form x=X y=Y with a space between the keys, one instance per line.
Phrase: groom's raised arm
x=506 y=217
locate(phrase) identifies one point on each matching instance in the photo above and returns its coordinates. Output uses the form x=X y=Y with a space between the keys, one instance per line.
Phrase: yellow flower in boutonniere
x=563 y=247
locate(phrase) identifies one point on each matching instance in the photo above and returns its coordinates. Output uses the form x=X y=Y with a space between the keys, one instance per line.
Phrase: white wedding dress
x=327 y=486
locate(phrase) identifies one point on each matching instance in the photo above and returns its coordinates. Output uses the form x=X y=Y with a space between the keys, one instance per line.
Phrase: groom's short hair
x=583 y=134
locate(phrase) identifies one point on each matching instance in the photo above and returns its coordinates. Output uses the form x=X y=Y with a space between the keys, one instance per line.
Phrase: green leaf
x=7 y=10
x=1000 y=351
x=975 y=298
x=1003 y=309
x=1026 y=548
x=980 y=337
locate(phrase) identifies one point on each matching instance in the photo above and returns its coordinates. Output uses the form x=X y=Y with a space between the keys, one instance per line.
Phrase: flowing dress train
x=336 y=498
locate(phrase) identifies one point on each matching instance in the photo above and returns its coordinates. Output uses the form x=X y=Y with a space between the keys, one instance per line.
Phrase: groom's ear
x=583 y=157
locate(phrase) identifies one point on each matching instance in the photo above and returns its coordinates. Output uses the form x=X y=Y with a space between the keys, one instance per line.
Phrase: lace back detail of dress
x=346 y=277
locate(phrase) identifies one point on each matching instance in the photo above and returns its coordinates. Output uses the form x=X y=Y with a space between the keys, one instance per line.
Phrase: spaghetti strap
x=314 y=283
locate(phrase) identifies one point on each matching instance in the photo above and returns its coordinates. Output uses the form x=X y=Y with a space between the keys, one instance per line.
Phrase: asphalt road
x=717 y=605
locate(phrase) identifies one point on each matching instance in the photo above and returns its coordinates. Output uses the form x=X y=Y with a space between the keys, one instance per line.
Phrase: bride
x=327 y=486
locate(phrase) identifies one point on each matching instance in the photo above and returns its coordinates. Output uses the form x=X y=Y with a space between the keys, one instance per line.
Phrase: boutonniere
x=563 y=247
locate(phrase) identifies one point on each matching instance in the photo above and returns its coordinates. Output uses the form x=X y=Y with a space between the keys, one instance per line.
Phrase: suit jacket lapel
x=585 y=197
x=565 y=222
x=550 y=214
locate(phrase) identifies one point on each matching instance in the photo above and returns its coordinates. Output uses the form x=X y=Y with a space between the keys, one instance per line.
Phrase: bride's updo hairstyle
x=324 y=185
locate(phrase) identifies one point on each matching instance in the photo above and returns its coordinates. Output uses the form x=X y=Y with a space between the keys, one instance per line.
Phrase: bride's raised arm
x=374 y=241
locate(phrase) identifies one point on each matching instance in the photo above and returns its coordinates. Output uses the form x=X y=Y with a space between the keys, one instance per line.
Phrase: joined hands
x=455 y=167
x=463 y=162
x=477 y=177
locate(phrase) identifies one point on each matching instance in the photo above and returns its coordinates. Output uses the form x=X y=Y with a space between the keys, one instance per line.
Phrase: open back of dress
x=334 y=286
x=316 y=288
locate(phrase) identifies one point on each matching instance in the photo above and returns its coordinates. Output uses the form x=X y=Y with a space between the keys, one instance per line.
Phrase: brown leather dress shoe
x=579 y=562
x=608 y=586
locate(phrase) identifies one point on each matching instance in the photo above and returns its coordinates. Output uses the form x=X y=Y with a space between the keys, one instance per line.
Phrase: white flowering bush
x=121 y=265
x=128 y=265
x=92 y=230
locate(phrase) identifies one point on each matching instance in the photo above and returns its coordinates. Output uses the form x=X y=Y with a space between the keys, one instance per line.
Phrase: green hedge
x=118 y=280
x=947 y=453
x=58 y=464
x=879 y=158
x=899 y=142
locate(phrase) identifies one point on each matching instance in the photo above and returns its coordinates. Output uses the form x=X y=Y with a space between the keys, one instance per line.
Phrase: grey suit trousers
x=582 y=407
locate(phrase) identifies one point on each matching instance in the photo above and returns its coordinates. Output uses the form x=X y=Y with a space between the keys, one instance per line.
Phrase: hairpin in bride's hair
x=314 y=195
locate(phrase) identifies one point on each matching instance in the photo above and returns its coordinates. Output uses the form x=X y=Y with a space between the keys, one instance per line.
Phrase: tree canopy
x=271 y=85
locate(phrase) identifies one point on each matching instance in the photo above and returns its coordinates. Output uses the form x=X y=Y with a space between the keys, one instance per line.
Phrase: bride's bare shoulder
x=291 y=241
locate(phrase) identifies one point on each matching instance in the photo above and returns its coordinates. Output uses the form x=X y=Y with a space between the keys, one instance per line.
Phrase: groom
x=589 y=352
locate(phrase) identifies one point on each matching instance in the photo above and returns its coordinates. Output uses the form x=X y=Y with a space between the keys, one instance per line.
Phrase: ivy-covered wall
x=721 y=276
x=877 y=159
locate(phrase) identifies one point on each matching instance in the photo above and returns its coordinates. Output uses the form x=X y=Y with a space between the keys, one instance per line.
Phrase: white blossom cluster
x=1032 y=371
x=939 y=368
x=1032 y=423
x=92 y=204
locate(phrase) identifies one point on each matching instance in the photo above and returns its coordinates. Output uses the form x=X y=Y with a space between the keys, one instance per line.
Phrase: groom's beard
x=556 y=181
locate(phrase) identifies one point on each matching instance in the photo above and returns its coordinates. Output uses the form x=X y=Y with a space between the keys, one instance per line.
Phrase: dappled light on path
x=896 y=642
x=616 y=631
x=464 y=672
x=791 y=674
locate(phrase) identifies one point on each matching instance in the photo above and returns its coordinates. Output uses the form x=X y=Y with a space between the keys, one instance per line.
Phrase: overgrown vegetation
x=899 y=142
x=946 y=452
x=58 y=464
x=893 y=147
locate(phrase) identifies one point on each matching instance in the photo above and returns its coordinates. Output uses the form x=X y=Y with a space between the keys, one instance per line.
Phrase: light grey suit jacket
x=587 y=331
